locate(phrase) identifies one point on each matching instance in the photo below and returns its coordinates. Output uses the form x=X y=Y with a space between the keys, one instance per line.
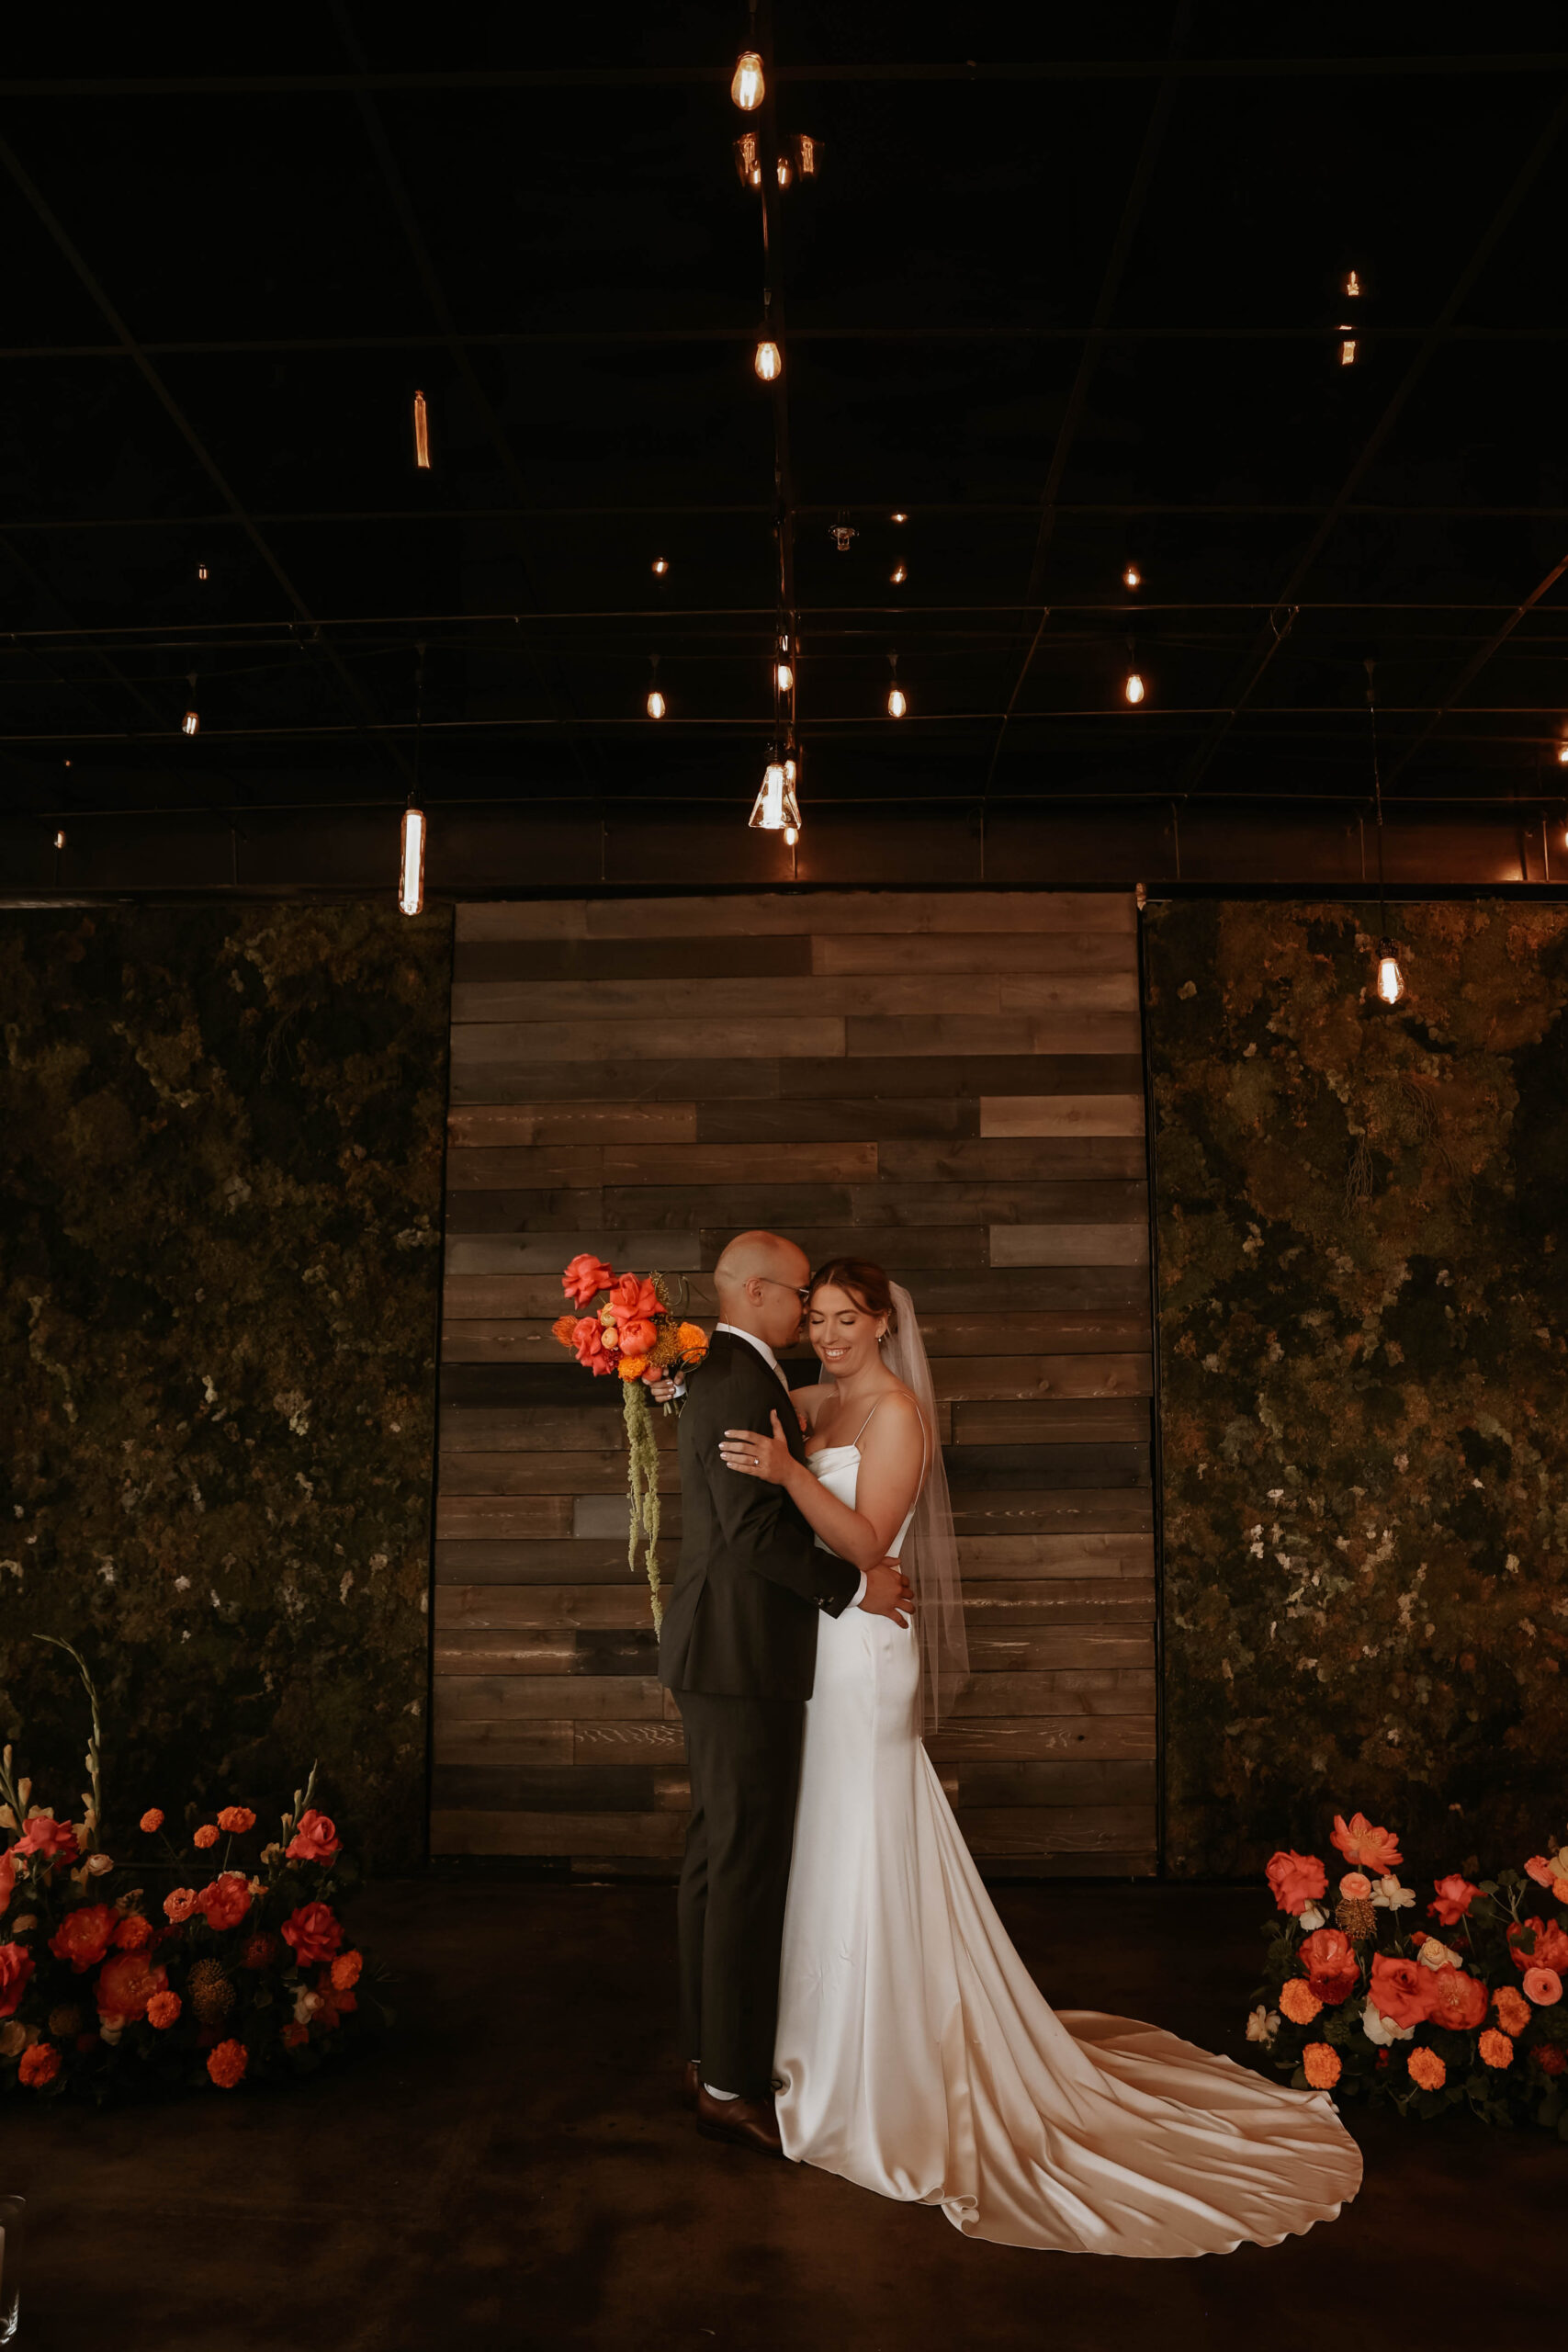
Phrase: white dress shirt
x=773 y=1365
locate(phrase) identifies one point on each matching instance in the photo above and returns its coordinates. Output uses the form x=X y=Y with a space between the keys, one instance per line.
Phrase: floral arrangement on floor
x=636 y=1332
x=108 y=1989
x=1358 y=1999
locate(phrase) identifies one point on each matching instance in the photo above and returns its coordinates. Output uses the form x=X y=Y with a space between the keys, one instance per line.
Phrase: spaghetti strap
x=866 y=1424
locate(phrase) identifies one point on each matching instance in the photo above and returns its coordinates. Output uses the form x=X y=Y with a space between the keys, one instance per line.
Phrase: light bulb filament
x=421 y=432
x=654 y=704
x=1133 y=689
x=1132 y=577
x=748 y=85
x=767 y=363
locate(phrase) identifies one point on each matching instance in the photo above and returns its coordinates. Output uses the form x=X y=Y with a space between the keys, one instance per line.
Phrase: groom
x=738 y=1650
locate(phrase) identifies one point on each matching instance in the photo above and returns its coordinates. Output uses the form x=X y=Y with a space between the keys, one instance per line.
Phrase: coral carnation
x=1543 y=1986
x=1456 y=2001
x=315 y=1840
x=39 y=2066
x=314 y=1932
x=346 y=1971
x=1455 y=1895
x=151 y=1819
x=126 y=1986
x=1513 y=2009
x=226 y=1901
x=1322 y=2065
x=1296 y=1879
x=163 y=2008
x=16 y=1973
x=1399 y=1989
x=134 y=1933
x=1298 y=2001
x=1495 y=2047
x=227 y=2064
x=206 y=1836
x=1332 y=1967
x=51 y=1840
x=236 y=1819
x=1363 y=1847
x=83 y=1936
x=1428 y=2069
x=179 y=1906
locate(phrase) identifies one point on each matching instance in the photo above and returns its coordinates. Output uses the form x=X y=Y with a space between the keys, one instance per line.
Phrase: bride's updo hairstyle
x=866 y=1282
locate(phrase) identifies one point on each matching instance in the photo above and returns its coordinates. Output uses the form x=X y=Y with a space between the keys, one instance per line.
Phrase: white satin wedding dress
x=920 y=2059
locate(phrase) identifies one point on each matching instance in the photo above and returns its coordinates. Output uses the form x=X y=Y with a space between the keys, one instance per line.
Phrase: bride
x=916 y=2055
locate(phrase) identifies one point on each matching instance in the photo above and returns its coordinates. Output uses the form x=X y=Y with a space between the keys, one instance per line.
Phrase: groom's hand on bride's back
x=888 y=1592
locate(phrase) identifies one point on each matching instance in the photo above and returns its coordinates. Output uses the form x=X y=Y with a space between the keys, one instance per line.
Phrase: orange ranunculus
x=1356 y=1887
x=1456 y=2001
x=39 y=2066
x=1400 y=1989
x=562 y=1329
x=163 y=2009
x=226 y=1901
x=1513 y=2009
x=1427 y=2069
x=1455 y=1895
x=347 y=1969
x=1551 y=1950
x=1298 y=2000
x=134 y=1933
x=236 y=1819
x=1495 y=2047
x=126 y=1984
x=588 y=1337
x=206 y=1836
x=692 y=1342
x=1295 y=1879
x=16 y=1973
x=227 y=2064
x=585 y=1276
x=1322 y=2065
x=294 y=2035
x=51 y=1840
x=313 y=1932
x=151 y=1819
x=634 y=1300
x=315 y=1838
x=1363 y=1847
x=179 y=1906
x=83 y=1936
x=637 y=1337
x=259 y=1951
x=632 y=1367
x=1543 y=1986
x=1332 y=1967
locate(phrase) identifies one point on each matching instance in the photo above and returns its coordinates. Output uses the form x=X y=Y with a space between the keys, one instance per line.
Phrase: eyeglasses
x=803 y=1294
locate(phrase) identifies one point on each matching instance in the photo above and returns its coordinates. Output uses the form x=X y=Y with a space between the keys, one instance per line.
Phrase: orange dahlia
x=227 y=2064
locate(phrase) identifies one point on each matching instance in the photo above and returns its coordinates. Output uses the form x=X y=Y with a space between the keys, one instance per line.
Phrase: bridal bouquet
x=633 y=1332
x=1358 y=1999
x=109 y=1988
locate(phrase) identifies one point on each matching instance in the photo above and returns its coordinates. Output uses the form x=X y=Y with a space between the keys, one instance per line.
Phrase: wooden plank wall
x=950 y=1083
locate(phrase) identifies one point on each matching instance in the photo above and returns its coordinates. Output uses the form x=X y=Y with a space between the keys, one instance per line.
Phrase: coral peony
x=51 y=1840
x=226 y=1901
x=585 y=1276
x=83 y=1936
x=227 y=2064
x=1322 y=2065
x=346 y=1971
x=1456 y=2001
x=1364 y=1847
x=179 y=1906
x=236 y=1819
x=126 y=1984
x=1549 y=1948
x=151 y=1819
x=163 y=2009
x=295 y=2036
x=16 y=1971
x=1455 y=1895
x=1549 y=2058
x=1495 y=2047
x=39 y=2066
x=1298 y=2001
x=1295 y=1879
x=206 y=1836
x=315 y=1840
x=1332 y=1967
x=1543 y=1986
x=259 y=1951
x=314 y=1932
x=637 y=1339
x=1513 y=2009
x=1428 y=2069
x=1399 y=1989
x=134 y=1933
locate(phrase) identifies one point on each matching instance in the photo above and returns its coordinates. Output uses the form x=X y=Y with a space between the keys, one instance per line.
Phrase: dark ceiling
x=1074 y=303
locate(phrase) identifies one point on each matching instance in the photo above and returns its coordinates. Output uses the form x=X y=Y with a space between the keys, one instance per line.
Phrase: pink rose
x=1296 y=1879
x=315 y=1840
x=1455 y=1895
x=53 y=1841
x=15 y=1970
x=1543 y=1986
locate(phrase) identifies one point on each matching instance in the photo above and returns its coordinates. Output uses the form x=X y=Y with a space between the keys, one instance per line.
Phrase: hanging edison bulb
x=660 y=565
x=897 y=515
x=421 y=434
x=411 y=882
x=1346 y=348
x=60 y=841
x=897 y=702
x=783 y=677
x=1352 y=284
x=1562 y=756
x=791 y=807
x=767 y=810
x=656 y=703
x=767 y=362
x=898 y=574
x=808 y=155
x=1390 y=979
x=747 y=168
x=748 y=85
x=191 y=723
x=201 y=571
x=1134 y=687
x=1132 y=577
x=782 y=171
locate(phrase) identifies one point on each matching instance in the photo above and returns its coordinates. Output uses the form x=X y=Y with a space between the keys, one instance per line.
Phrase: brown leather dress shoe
x=744 y=2122
x=691 y=2083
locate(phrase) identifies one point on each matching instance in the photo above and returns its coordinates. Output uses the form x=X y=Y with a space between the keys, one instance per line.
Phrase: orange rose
x=236 y=1819
x=227 y=2064
x=1332 y=1967
x=346 y=1971
x=1513 y=2009
x=314 y=1932
x=1495 y=2047
x=226 y=1901
x=1456 y=2001
x=163 y=2009
x=1455 y=1895
x=1543 y=1986
x=179 y=1906
x=1428 y=2069
x=15 y=1972
x=1299 y=2002
x=1363 y=1847
x=1296 y=1879
x=1400 y=1989
x=315 y=1838
x=206 y=1836
x=586 y=1275
x=151 y=1819
x=1549 y=1948
x=39 y=2066
x=126 y=1984
x=1322 y=2065
x=134 y=1933
x=83 y=1936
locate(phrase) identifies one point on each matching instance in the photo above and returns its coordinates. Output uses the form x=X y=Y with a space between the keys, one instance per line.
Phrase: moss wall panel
x=1364 y=1238
x=220 y=1152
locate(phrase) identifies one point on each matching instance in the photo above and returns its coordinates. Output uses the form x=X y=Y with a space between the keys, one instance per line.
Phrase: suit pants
x=744 y=1756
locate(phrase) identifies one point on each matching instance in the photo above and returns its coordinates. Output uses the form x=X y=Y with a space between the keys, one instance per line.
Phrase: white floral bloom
x=1436 y=1955
x=305 y=2005
x=1312 y=1919
x=1389 y=1895
x=1382 y=2030
x=1262 y=2024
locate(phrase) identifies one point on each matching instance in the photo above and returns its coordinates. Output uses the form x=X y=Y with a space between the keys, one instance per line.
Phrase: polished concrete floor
x=513 y=2171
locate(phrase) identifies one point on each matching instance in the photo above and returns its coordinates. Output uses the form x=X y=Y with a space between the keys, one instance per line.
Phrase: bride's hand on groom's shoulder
x=758 y=1457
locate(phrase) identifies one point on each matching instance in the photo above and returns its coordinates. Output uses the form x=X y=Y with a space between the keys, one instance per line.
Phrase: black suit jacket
x=742 y=1619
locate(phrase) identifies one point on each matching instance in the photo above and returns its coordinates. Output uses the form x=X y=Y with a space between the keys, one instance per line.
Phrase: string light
x=808 y=155
x=1134 y=688
x=748 y=86
x=660 y=565
x=60 y=841
x=191 y=723
x=898 y=516
x=898 y=575
x=411 y=886
x=655 y=705
x=421 y=434
x=201 y=571
x=1348 y=348
x=1562 y=756
x=767 y=362
x=776 y=809
x=783 y=677
x=1352 y=284
x=748 y=168
x=1132 y=577
x=841 y=533
x=1390 y=979
x=782 y=171
x=897 y=700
